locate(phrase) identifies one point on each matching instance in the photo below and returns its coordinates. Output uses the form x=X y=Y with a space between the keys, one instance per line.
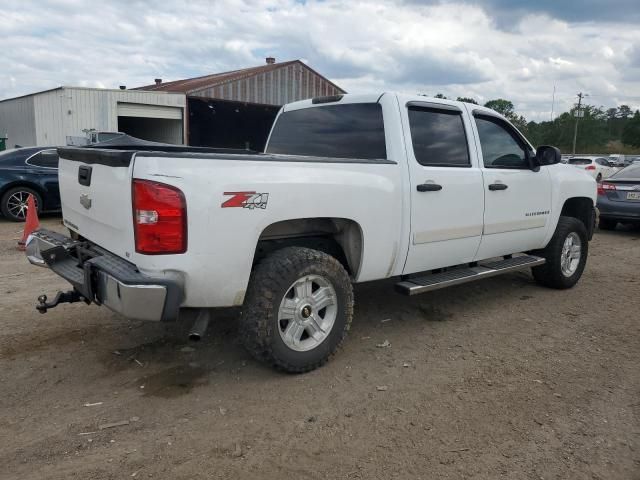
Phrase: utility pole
x=553 y=100
x=578 y=114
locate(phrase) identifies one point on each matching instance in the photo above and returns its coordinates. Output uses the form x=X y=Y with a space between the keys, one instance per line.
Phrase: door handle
x=498 y=186
x=429 y=187
x=84 y=175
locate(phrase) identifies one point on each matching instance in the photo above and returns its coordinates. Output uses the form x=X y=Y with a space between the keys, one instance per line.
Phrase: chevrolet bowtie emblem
x=85 y=201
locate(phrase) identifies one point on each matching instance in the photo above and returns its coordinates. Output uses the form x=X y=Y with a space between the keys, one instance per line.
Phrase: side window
x=46 y=158
x=352 y=130
x=438 y=137
x=500 y=146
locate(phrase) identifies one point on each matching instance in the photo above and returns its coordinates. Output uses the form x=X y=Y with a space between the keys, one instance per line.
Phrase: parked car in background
x=597 y=167
x=25 y=171
x=619 y=198
x=617 y=159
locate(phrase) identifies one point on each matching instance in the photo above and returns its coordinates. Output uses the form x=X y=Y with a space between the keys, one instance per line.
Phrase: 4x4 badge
x=248 y=200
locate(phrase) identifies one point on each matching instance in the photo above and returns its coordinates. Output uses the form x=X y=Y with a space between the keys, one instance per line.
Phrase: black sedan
x=24 y=171
x=619 y=198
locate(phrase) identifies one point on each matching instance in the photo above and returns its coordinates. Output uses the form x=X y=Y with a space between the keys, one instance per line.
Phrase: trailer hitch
x=71 y=296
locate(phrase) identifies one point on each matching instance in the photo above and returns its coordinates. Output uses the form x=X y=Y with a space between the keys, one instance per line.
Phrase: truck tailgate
x=95 y=190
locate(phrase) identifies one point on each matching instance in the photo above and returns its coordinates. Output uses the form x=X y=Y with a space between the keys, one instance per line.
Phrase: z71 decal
x=248 y=200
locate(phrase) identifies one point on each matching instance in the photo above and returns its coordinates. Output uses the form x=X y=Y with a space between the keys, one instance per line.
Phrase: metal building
x=231 y=109
x=236 y=109
x=48 y=118
x=270 y=84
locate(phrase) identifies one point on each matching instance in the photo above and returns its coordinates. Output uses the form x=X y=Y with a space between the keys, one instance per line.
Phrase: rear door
x=605 y=167
x=517 y=199
x=447 y=199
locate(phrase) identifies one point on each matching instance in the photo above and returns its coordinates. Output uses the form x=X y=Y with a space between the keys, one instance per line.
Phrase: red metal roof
x=190 y=85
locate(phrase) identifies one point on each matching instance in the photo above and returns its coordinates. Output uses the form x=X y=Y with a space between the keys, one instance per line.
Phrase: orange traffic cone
x=31 y=222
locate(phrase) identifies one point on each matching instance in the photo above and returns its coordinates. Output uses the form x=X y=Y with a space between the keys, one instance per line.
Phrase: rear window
x=47 y=158
x=580 y=161
x=354 y=130
x=632 y=172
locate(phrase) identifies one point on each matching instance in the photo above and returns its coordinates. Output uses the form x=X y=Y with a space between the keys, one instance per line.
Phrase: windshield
x=580 y=161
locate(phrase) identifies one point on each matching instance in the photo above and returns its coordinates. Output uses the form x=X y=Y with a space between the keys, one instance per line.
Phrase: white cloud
x=458 y=49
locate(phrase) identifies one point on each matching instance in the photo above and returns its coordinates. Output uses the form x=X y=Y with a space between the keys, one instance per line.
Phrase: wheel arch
x=22 y=183
x=340 y=237
x=582 y=209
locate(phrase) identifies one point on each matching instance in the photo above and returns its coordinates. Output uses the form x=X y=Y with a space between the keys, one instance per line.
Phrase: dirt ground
x=498 y=379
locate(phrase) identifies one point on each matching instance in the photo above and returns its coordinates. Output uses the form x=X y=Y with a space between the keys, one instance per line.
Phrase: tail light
x=604 y=187
x=590 y=167
x=159 y=218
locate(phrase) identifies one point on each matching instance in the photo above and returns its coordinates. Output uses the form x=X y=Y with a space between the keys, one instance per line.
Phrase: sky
x=484 y=49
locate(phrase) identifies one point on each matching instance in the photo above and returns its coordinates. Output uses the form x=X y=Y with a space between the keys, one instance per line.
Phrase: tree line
x=613 y=130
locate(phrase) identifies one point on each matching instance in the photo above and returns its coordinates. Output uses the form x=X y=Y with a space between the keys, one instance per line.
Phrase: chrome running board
x=459 y=275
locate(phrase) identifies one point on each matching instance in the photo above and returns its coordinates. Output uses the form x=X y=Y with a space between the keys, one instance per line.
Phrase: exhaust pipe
x=200 y=325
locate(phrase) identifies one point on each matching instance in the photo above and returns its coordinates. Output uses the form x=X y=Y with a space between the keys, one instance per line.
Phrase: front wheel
x=297 y=310
x=566 y=255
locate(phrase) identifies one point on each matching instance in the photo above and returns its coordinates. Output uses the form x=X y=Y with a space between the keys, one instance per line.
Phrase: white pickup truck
x=350 y=189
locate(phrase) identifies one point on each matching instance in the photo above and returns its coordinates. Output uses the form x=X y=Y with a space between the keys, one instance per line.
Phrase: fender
x=567 y=182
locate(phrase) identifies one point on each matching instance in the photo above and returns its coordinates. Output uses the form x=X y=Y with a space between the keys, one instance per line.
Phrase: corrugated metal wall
x=17 y=121
x=277 y=87
x=68 y=111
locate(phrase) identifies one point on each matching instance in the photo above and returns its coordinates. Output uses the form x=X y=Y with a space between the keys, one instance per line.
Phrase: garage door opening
x=153 y=129
x=151 y=122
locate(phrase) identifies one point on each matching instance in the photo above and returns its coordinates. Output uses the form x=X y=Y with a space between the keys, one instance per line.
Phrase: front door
x=447 y=200
x=517 y=199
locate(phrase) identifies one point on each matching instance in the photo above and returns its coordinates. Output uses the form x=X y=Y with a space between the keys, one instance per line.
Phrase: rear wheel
x=607 y=224
x=566 y=255
x=14 y=203
x=298 y=309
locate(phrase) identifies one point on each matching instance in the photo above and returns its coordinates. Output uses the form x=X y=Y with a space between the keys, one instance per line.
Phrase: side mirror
x=548 y=155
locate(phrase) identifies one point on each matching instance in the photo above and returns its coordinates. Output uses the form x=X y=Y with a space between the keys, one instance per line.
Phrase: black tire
x=599 y=178
x=550 y=274
x=607 y=224
x=9 y=194
x=270 y=281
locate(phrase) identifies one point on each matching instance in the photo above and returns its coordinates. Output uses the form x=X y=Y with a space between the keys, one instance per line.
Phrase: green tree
x=467 y=100
x=440 y=95
x=631 y=132
x=502 y=106
x=505 y=108
x=624 y=111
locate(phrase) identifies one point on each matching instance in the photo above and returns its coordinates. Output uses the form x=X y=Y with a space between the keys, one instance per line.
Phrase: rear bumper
x=619 y=210
x=105 y=278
